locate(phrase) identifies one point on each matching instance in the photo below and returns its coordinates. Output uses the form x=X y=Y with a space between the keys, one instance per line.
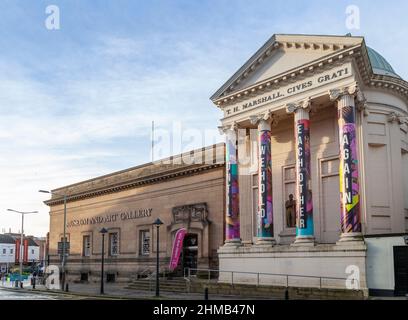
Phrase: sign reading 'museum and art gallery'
x=291 y=89
x=113 y=217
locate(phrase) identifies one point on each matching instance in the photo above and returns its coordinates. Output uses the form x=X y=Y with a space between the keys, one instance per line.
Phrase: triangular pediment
x=282 y=53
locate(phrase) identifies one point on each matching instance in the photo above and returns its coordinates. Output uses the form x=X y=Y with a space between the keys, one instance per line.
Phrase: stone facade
x=127 y=203
x=319 y=118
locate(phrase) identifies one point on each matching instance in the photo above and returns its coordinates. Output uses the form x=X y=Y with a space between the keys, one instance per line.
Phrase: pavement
x=112 y=291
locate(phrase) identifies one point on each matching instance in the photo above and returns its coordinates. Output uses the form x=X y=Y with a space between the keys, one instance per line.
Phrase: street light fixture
x=103 y=231
x=21 y=240
x=64 y=240
x=157 y=223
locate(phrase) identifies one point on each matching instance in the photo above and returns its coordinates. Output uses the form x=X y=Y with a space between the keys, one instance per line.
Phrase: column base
x=233 y=243
x=350 y=238
x=265 y=242
x=308 y=241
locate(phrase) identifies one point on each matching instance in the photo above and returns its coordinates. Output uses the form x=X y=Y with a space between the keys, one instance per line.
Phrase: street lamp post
x=64 y=240
x=103 y=231
x=157 y=223
x=21 y=240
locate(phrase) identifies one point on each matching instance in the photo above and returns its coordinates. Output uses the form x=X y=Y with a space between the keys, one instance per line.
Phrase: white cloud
x=61 y=132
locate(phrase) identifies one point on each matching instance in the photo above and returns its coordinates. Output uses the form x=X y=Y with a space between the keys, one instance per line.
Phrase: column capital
x=392 y=117
x=224 y=129
x=305 y=105
x=403 y=120
x=361 y=102
x=397 y=117
x=338 y=93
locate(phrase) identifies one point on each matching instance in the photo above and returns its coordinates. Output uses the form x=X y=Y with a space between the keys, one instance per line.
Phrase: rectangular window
x=330 y=209
x=145 y=242
x=86 y=246
x=32 y=251
x=113 y=244
x=4 y=251
x=289 y=194
x=11 y=251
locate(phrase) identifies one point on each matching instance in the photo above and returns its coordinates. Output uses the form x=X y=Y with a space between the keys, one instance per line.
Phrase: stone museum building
x=330 y=117
x=126 y=203
x=313 y=190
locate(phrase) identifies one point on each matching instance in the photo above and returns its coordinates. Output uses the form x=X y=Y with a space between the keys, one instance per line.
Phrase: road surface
x=21 y=295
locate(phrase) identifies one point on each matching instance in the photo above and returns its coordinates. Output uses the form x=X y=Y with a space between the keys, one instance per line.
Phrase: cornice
x=190 y=170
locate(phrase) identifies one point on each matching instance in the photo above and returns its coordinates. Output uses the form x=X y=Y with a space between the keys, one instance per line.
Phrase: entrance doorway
x=401 y=270
x=190 y=251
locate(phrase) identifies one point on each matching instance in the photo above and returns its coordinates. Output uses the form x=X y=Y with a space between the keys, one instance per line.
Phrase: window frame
x=142 y=232
x=84 y=248
x=110 y=247
x=288 y=181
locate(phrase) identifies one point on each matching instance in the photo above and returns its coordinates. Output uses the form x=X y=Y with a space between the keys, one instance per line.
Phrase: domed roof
x=380 y=65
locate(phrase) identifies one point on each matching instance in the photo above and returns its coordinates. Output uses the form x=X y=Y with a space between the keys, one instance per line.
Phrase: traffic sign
x=61 y=246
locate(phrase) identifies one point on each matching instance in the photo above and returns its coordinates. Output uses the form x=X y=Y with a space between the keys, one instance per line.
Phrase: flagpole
x=152 y=140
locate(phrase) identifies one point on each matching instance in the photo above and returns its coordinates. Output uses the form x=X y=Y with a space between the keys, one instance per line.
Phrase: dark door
x=190 y=251
x=401 y=270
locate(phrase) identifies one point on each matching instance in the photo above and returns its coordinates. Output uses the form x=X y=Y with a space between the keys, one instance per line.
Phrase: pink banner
x=177 y=246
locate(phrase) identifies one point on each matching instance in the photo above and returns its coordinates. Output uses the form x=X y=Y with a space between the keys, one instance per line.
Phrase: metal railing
x=144 y=273
x=262 y=276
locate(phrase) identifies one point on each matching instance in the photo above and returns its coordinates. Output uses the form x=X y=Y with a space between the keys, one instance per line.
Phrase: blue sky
x=78 y=102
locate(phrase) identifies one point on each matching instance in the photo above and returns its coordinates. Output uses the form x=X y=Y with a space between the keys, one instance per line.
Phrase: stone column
x=264 y=219
x=348 y=171
x=304 y=202
x=232 y=231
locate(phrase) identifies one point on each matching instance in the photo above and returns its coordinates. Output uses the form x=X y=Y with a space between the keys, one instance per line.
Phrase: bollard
x=206 y=294
x=66 y=287
x=33 y=283
x=286 y=294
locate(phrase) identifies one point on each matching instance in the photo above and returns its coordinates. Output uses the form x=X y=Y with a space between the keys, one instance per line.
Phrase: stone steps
x=169 y=285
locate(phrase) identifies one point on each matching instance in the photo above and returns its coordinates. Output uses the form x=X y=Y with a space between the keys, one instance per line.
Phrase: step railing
x=321 y=282
x=145 y=272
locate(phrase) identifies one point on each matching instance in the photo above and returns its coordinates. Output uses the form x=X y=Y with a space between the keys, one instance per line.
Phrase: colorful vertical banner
x=349 y=185
x=177 y=247
x=232 y=218
x=304 y=203
x=265 y=210
x=25 y=251
x=17 y=250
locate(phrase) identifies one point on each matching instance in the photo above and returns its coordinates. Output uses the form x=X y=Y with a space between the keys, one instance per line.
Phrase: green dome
x=380 y=65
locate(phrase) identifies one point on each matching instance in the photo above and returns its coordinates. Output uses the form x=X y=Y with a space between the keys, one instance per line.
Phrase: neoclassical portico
x=310 y=108
x=349 y=218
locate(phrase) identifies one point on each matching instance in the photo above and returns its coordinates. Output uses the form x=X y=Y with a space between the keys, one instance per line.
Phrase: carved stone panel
x=190 y=213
